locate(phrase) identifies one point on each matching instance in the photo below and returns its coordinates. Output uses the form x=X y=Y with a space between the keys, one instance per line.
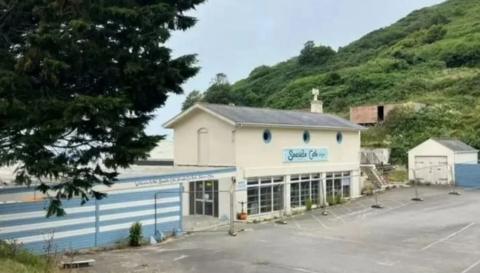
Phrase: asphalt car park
x=440 y=234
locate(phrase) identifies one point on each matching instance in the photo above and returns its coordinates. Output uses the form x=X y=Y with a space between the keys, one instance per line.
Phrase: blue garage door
x=97 y=223
x=467 y=175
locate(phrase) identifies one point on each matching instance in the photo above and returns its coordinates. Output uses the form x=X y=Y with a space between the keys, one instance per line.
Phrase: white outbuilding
x=434 y=160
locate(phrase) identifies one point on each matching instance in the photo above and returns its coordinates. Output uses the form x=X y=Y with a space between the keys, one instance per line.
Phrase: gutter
x=244 y=124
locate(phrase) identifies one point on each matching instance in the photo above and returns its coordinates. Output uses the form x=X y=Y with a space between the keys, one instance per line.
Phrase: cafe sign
x=305 y=155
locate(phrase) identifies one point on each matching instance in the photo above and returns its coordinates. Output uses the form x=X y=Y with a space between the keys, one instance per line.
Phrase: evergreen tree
x=192 y=98
x=79 y=81
x=315 y=55
x=219 y=90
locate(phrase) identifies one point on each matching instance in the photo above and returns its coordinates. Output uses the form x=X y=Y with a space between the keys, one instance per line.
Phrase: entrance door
x=204 y=198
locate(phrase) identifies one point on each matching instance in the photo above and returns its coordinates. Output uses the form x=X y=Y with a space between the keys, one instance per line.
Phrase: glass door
x=208 y=198
x=204 y=198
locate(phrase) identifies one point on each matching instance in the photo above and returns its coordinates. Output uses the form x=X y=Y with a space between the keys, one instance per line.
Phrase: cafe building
x=226 y=160
x=282 y=159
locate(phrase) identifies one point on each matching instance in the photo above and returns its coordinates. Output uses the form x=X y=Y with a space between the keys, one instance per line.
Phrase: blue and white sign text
x=305 y=155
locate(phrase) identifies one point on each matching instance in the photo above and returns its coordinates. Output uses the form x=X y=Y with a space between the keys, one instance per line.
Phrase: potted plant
x=242 y=215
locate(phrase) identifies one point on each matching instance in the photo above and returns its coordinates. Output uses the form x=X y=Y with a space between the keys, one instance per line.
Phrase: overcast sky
x=235 y=36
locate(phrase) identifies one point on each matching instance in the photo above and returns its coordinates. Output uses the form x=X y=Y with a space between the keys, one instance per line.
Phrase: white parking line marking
x=299 y=269
x=180 y=258
x=386 y=263
x=355 y=213
x=449 y=236
x=471 y=267
x=320 y=222
x=336 y=216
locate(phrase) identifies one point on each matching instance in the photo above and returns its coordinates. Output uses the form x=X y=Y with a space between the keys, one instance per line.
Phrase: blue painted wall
x=96 y=223
x=467 y=175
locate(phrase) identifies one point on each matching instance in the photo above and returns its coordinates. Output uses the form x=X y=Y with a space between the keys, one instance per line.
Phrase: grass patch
x=398 y=175
x=14 y=259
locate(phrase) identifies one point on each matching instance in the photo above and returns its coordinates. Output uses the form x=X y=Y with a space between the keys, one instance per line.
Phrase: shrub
x=13 y=258
x=316 y=55
x=309 y=204
x=333 y=78
x=462 y=55
x=339 y=199
x=331 y=201
x=135 y=237
x=367 y=190
x=435 y=33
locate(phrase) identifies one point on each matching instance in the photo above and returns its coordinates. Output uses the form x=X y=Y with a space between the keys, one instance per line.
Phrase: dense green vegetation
x=14 y=259
x=432 y=56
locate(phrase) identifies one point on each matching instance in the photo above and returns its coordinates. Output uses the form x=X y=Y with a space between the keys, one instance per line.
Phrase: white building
x=434 y=160
x=282 y=158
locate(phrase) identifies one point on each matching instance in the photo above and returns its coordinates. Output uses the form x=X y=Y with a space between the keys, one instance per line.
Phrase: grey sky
x=235 y=36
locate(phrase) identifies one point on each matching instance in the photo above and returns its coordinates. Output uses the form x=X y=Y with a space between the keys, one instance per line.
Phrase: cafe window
x=306 y=137
x=267 y=136
x=338 y=185
x=264 y=194
x=339 y=137
x=304 y=187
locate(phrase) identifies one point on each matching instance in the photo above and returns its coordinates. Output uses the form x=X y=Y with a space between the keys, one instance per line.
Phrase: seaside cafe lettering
x=305 y=155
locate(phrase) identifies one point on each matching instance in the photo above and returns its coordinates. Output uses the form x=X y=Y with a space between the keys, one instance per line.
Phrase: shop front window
x=346 y=181
x=252 y=207
x=277 y=197
x=338 y=185
x=295 y=195
x=264 y=194
x=304 y=187
x=265 y=199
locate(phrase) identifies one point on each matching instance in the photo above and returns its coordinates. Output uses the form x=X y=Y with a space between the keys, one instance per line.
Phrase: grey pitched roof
x=250 y=116
x=455 y=145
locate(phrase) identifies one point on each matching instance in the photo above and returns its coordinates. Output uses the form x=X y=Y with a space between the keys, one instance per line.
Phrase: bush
x=435 y=33
x=333 y=78
x=462 y=55
x=309 y=204
x=368 y=190
x=339 y=199
x=13 y=258
x=315 y=55
x=331 y=201
x=135 y=238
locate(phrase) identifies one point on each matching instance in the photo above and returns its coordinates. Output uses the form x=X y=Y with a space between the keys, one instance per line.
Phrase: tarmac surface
x=439 y=235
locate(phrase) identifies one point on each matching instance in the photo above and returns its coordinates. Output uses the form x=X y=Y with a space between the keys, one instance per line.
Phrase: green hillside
x=431 y=56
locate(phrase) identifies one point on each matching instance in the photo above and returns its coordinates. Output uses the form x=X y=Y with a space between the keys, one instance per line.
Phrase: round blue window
x=339 y=137
x=306 y=136
x=267 y=136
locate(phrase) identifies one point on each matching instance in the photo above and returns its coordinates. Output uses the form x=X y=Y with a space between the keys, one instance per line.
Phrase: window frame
x=267 y=136
x=299 y=180
x=331 y=178
x=339 y=137
x=274 y=183
x=306 y=136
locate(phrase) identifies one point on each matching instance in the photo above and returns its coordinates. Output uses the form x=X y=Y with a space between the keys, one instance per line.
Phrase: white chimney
x=316 y=105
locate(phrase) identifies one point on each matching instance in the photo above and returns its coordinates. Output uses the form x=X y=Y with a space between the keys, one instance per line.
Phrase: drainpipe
x=232 y=207
x=155 y=233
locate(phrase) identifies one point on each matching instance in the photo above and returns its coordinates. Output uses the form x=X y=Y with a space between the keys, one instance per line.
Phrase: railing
x=374 y=176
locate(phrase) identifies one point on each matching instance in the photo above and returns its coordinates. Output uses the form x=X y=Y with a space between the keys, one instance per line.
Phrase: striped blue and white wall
x=96 y=223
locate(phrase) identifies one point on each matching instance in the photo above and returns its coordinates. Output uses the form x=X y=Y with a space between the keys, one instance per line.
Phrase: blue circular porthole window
x=267 y=136
x=306 y=137
x=339 y=137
